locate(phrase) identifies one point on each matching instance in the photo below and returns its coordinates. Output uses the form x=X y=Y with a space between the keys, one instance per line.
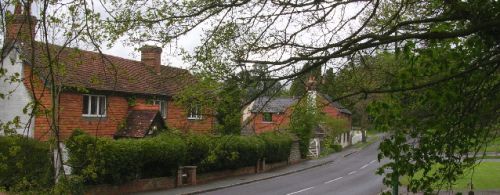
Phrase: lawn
x=494 y=146
x=486 y=177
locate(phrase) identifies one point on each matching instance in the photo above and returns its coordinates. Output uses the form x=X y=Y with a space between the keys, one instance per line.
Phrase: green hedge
x=103 y=160
x=230 y=152
x=278 y=146
x=198 y=148
x=25 y=164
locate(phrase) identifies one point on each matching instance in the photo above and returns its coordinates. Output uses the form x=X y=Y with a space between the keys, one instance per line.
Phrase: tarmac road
x=350 y=175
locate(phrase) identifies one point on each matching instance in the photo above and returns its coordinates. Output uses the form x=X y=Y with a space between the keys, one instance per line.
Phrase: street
x=350 y=175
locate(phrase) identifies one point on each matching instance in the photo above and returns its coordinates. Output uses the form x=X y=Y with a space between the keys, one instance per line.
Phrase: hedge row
x=25 y=164
x=103 y=160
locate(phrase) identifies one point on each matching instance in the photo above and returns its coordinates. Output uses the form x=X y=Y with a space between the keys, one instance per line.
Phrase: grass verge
x=486 y=176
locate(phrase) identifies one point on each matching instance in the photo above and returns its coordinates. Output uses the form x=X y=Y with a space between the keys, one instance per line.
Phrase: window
x=267 y=117
x=195 y=111
x=94 y=105
x=163 y=107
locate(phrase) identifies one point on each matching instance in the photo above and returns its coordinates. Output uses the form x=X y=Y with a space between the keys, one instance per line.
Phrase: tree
x=299 y=84
x=285 y=34
x=445 y=124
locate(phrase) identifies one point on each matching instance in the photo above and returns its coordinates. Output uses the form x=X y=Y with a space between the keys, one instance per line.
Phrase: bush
x=278 y=146
x=328 y=146
x=102 y=160
x=230 y=152
x=197 y=148
x=25 y=164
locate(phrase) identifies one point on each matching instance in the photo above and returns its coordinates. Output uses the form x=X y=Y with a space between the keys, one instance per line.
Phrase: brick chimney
x=311 y=84
x=21 y=25
x=311 y=90
x=151 y=56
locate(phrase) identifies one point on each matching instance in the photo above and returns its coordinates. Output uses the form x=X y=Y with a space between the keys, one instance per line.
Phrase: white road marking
x=300 y=191
x=333 y=180
x=352 y=172
x=372 y=161
x=364 y=166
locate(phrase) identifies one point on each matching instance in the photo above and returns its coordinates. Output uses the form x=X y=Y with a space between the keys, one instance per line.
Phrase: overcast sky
x=170 y=56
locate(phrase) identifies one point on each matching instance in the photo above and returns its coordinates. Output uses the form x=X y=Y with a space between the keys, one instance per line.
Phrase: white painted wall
x=246 y=112
x=356 y=136
x=17 y=96
x=57 y=162
x=343 y=140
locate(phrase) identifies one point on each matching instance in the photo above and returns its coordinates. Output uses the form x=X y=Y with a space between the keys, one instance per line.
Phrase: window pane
x=93 y=105
x=102 y=105
x=162 y=108
x=268 y=117
x=85 y=109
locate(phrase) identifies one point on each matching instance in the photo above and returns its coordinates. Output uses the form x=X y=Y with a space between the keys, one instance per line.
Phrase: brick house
x=269 y=114
x=272 y=114
x=103 y=95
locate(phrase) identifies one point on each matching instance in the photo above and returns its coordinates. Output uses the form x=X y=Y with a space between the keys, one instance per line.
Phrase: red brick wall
x=279 y=121
x=70 y=114
x=282 y=120
x=329 y=110
x=177 y=118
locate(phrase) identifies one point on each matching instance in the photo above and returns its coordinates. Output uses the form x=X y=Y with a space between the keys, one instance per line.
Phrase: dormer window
x=94 y=106
x=194 y=112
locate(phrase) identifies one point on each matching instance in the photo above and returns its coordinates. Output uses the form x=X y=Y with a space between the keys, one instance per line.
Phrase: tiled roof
x=274 y=105
x=92 y=70
x=337 y=105
x=138 y=123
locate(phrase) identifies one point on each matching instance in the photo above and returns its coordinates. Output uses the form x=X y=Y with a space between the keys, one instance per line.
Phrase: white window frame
x=97 y=106
x=164 y=110
x=197 y=114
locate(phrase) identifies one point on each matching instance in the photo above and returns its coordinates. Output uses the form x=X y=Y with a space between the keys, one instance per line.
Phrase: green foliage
x=329 y=145
x=25 y=164
x=333 y=126
x=230 y=152
x=278 y=146
x=102 y=160
x=198 y=147
x=131 y=101
x=449 y=119
x=302 y=123
x=228 y=109
x=69 y=184
x=299 y=84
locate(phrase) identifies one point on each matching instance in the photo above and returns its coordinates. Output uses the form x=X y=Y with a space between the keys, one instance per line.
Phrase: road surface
x=350 y=175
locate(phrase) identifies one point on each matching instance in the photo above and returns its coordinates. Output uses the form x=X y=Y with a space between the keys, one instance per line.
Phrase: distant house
x=103 y=95
x=272 y=114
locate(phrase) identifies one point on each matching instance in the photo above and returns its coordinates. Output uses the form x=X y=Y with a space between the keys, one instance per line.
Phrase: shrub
x=328 y=146
x=102 y=160
x=277 y=146
x=230 y=152
x=197 y=148
x=25 y=164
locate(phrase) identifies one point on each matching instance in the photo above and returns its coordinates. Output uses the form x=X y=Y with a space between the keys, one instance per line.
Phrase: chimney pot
x=311 y=83
x=151 y=56
x=21 y=25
